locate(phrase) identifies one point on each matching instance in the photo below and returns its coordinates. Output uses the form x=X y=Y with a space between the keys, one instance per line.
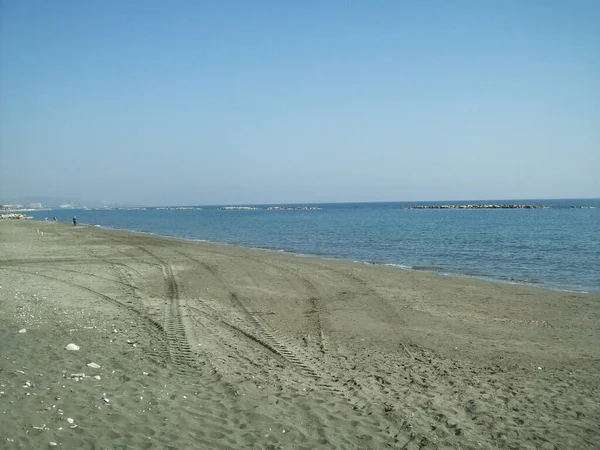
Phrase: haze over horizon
x=200 y=103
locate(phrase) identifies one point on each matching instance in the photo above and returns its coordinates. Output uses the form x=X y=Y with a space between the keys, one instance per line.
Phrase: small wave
x=521 y=280
x=400 y=266
x=574 y=291
x=429 y=268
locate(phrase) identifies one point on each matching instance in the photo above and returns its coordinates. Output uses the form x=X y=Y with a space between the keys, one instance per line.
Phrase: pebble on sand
x=93 y=365
x=22 y=330
x=72 y=347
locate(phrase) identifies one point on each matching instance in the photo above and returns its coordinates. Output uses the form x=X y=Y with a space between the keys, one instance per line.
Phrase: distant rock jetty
x=15 y=216
x=293 y=208
x=479 y=206
x=128 y=208
x=178 y=208
x=271 y=208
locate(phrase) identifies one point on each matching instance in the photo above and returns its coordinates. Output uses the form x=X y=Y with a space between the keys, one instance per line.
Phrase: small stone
x=93 y=365
x=53 y=444
x=22 y=330
x=72 y=347
x=97 y=377
x=70 y=420
x=451 y=423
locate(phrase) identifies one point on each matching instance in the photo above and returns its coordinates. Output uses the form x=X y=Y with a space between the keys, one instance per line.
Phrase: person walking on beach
x=74 y=220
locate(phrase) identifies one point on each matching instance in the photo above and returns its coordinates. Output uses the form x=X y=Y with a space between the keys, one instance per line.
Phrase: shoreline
x=186 y=344
x=398 y=266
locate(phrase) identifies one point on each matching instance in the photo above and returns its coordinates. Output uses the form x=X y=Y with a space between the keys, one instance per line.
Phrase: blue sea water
x=556 y=248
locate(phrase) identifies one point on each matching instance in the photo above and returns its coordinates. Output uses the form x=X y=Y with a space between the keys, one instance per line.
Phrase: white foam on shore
x=400 y=266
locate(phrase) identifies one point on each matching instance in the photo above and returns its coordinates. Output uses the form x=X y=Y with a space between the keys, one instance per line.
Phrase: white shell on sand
x=22 y=330
x=72 y=347
x=93 y=365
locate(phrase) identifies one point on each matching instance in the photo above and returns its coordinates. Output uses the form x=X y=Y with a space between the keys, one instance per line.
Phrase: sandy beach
x=195 y=345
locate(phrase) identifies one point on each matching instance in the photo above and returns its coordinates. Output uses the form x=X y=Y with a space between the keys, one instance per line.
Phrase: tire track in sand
x=273 y=342
x=179 y=346
x=269 y=337
x=180 y=350
x=263 y=336
x=314 y=310
x=214 y=429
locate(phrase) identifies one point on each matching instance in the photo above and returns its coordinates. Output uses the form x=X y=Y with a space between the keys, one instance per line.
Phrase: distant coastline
x=457 y=204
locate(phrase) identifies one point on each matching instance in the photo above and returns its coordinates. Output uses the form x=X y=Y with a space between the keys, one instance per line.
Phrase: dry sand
x=213 y=346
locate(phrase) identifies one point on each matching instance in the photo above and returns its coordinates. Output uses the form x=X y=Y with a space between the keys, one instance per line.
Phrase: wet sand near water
x=196 y=345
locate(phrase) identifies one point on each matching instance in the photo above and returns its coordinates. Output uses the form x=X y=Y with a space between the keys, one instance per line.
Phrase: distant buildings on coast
x=29 y=207
x=34 y=206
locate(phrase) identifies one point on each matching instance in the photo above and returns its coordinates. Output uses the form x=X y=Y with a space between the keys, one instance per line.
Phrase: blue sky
x=211 y=102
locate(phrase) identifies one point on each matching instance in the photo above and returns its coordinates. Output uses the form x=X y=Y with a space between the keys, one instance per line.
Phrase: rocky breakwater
x=178 y=208
x=238 y=208
x=293 y=208
x=270 y=208
x=15 y=216
x=479 y=206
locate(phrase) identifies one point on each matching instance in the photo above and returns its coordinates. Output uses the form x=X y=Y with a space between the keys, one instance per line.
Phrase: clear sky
x=212 y=102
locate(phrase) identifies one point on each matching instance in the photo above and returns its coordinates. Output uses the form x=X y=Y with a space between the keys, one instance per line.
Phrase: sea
x=556 y=247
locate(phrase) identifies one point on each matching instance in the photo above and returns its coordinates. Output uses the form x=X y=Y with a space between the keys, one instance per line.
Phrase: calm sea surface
x=557 y=248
